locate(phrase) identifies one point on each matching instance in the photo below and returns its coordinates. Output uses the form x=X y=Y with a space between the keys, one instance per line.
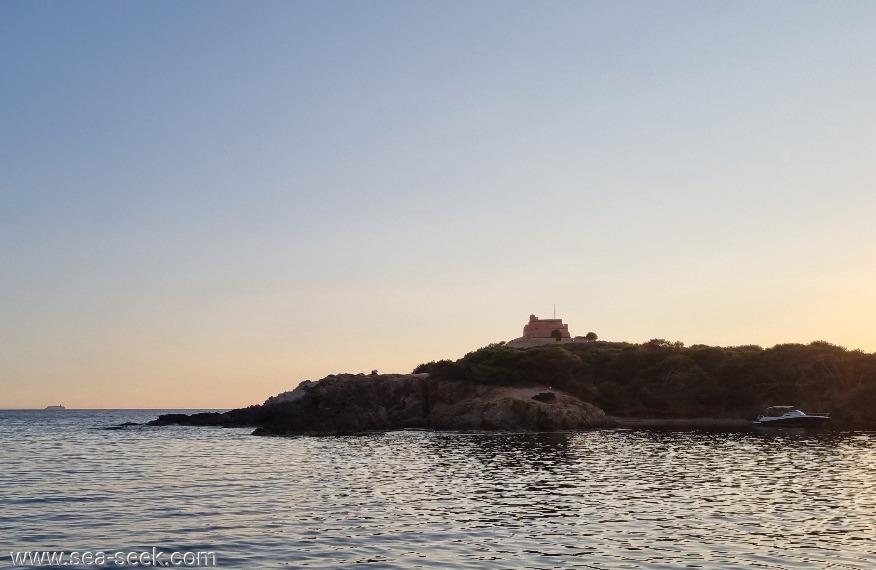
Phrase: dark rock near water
x=350 y=403
x=545 y=397
x=123 y=425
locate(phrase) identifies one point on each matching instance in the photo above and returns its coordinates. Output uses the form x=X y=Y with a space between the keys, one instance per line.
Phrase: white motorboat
x=789 y=416
x=58 y=407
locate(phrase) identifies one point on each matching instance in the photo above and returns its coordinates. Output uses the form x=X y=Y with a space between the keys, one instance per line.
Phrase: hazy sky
x=204 y=203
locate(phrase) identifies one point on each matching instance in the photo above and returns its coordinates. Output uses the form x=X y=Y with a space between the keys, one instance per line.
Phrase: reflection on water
x=599 y=499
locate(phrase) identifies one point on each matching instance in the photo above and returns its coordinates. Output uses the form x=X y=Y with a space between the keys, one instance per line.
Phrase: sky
x=204 y=203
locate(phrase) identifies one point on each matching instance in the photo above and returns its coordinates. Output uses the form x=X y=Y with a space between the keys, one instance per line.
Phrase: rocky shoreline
x=352 y=403
x=682 y=423
x=355 y=403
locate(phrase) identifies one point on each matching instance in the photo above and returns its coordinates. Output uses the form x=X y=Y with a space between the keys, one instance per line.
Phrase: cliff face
x=348 y=403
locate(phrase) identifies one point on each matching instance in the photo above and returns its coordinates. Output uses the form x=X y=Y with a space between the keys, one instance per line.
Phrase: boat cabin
x=776 y=411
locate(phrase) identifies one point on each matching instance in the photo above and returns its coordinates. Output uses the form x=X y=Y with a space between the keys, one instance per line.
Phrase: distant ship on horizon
x=58 y=407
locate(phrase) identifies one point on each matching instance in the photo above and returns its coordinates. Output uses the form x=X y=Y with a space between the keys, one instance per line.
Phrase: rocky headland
x=351 y=403
x=566 y=385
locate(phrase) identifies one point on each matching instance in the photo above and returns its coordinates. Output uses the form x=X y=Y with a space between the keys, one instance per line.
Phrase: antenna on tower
x=555 y=310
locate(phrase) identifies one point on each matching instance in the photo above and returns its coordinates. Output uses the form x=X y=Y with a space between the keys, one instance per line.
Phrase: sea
x=103 y=494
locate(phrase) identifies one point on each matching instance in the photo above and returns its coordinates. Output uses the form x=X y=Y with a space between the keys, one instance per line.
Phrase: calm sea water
x=599 y=499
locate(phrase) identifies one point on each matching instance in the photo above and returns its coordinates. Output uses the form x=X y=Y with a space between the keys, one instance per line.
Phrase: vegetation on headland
x=667 y=379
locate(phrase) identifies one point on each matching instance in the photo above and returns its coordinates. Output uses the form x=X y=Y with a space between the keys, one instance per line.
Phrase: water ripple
x=600 y=499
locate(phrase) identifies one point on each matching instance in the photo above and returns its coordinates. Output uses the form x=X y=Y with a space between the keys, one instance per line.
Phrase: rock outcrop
x=349 y=403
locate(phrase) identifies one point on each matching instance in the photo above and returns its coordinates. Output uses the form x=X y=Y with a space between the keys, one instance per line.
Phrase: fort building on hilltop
x=542 y=331
x=544 y=328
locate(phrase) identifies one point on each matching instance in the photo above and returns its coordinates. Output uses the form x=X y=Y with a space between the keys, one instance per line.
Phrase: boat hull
x=806 y=421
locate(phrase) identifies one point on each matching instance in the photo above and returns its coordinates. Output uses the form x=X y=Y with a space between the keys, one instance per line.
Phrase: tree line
x=660 y=378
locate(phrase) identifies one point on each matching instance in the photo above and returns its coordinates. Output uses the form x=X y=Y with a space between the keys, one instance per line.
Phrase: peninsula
x=548 y=380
